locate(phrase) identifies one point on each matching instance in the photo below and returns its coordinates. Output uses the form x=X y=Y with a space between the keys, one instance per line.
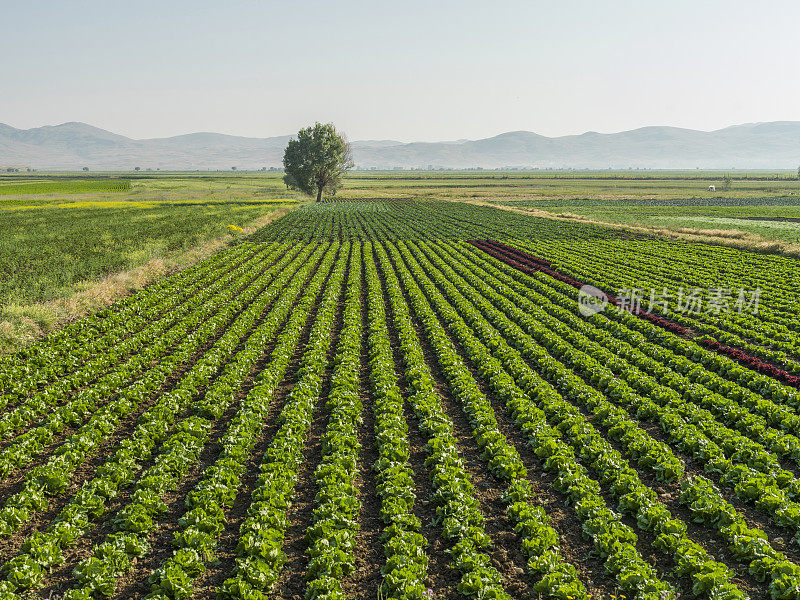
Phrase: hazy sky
x=410 y=70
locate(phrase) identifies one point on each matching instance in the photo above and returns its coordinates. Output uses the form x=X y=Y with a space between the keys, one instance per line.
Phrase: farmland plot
x=408 y=400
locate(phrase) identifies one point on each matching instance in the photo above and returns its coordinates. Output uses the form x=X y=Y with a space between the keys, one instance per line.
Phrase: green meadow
x=58 y=243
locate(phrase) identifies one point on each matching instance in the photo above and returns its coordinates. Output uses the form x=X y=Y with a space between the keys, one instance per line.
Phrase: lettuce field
x=402 y=399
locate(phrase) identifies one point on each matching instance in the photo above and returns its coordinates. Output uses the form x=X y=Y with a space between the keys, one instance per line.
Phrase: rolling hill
x=75 y=145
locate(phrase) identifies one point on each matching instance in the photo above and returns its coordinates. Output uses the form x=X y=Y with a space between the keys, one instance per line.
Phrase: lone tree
x=316 y=160
x=726 y=182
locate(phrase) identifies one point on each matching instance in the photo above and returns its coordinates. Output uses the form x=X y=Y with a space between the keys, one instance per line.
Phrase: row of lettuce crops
x=358 y=374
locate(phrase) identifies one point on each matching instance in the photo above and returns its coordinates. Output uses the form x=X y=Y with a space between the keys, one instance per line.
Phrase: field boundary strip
x=529 y=264
x=752 y=242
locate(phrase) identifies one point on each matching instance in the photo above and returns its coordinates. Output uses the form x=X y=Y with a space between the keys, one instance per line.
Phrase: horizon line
x=398 y=142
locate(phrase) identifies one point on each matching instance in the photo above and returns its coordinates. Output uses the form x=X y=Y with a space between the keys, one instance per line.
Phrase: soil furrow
x=574 y=547
x=225 y=554
x=365 y=579
x=291 y=584
x=222 y=273
x=71 y=395
x=442 y=576
x=100 y=529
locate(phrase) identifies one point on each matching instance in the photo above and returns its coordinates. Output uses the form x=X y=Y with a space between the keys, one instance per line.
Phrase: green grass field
x=66 y=186
x=55 y=244
x=50 y=242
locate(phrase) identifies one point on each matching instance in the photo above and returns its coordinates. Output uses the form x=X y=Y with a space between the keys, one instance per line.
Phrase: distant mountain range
x=72 y=146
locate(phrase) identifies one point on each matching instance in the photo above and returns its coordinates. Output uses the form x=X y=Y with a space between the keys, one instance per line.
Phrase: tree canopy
x=315 y=162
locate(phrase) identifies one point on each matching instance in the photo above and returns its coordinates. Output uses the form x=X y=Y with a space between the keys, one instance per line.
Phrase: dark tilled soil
x=82 y=548
x=134 y=584
x=662 y=563
x=574 y=546
x=670 y=494
x=442 y=576
x=9 y=547
x=753 y=516
x=787 y=464
x=225 y=553
x=226 y=547
x=709 y=539
x=365 y=579
x=715 y=545
x=292 y=584
x=506 y=550
x=14 y=482
x=644 y=545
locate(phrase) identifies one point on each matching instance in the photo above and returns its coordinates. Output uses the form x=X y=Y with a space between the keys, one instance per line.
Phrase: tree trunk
x=319 y=193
